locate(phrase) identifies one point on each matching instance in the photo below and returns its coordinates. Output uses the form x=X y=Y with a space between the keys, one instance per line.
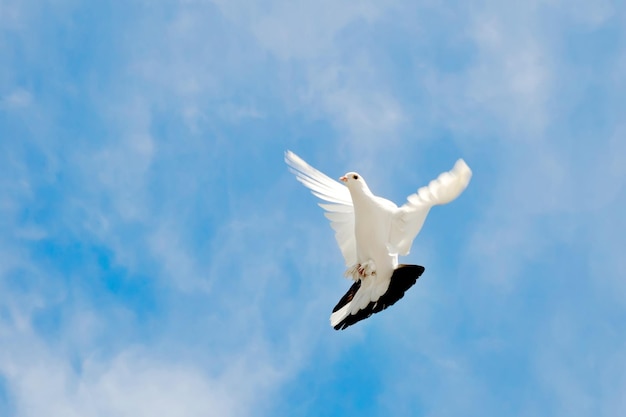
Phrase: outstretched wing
x=408 y=220
x=339 y=211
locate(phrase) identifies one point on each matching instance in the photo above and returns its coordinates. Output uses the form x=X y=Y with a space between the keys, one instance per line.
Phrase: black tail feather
x=403 y=278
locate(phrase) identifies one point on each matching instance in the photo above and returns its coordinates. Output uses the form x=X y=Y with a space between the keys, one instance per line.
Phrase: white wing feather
x=408 y=220
x=340 y=212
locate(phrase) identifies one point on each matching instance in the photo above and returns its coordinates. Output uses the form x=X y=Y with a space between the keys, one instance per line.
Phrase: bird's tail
x=345 y=315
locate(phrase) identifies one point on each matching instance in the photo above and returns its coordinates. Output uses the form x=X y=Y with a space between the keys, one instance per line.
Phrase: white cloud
x=592 y=14
x=94 y=368
x=178 y=267
x=579 y=361
x=139 y=192
x=15 y=100
x=339 y=84
x=132 y=383
x=300 y=30
x=11 y=14
x=510 y=78
x=358 y=103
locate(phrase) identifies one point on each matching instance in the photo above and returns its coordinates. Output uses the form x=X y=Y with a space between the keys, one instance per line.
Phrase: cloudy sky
x=158 y=259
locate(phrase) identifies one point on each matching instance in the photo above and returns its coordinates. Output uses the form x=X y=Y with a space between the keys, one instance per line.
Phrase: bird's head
x=354 y=181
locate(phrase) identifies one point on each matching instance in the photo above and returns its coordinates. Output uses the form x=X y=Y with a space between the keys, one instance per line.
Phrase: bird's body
x=371 y=249
x=372 y=231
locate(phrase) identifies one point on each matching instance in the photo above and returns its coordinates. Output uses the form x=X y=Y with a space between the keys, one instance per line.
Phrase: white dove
x=372 y=231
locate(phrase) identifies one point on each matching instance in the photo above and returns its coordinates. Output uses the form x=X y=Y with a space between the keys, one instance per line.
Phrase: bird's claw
x=360 y=271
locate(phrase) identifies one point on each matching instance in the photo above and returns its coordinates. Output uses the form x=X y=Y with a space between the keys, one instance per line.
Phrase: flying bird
x=372 y=231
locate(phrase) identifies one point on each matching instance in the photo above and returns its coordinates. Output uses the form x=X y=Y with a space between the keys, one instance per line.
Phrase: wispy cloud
x=16 y=99
x=157 y=258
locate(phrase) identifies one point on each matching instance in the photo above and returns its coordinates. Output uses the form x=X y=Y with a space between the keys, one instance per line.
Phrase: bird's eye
x=356 y=177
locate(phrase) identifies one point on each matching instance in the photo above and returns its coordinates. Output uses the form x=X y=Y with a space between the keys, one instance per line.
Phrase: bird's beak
x=343 y=179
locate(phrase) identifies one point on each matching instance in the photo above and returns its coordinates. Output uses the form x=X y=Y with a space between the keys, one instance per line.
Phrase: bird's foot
x=367 y=269
x=360 y=271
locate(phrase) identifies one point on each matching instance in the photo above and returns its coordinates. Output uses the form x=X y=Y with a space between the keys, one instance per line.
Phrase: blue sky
x=157 y=257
